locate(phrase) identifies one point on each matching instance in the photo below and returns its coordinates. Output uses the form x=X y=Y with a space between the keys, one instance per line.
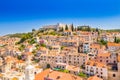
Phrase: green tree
x=33 y=30
x=53 y=33
x=21 y=40
x=81 y=74
x=72 y=27
x=32 y=41
x=22 y=47
x=43 y=45
x=118 y=40
x=48 y=65
x=36 y=60
x=19 y=57
x=64 y=70
x=66 y=27
x=115 y=40
x=25 y=37
x=62 y=47
x=37 y=46
x=34 y=52
x=103 y=42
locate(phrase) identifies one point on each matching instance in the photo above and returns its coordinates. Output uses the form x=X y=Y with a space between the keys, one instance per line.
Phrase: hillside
x=78 y=28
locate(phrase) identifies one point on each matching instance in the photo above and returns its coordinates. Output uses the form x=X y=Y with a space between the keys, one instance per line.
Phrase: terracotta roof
x=94 y=78
x=95 y=63
x=10 y=59
x=56 y=75
x=1 y=75
x=103 y=55
x=42 y=48
x=97 y=46
x=20 y=61
x=40 y=76
x=112 y=44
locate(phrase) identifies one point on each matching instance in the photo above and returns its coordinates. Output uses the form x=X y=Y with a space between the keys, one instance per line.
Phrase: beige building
x=115 y=74
x=95 y=68
x=107 y=58
x=76 y=59
x=71 y=59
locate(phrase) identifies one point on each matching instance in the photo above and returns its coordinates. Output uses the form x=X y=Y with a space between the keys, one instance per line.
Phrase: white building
x=30 y=70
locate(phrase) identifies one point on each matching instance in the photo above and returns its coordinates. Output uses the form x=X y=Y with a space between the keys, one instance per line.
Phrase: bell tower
x=29 y=70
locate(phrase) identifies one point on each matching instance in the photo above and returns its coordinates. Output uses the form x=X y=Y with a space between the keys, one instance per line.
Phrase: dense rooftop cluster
x=61 y=52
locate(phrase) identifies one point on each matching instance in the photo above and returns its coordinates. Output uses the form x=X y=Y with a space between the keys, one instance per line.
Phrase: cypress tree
x=66 y=27
x=72 y=27
x=115 y=40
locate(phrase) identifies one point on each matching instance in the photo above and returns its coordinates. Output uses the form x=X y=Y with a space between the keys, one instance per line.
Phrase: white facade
x=29 y=72
x=86 y=47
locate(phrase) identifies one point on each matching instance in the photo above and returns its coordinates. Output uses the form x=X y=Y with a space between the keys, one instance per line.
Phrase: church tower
x=29 y=70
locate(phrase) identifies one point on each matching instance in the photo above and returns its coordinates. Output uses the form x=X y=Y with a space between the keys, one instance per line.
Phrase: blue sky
x=23 y=15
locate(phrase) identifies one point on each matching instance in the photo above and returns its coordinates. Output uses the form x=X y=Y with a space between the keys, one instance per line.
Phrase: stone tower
x=29 y=70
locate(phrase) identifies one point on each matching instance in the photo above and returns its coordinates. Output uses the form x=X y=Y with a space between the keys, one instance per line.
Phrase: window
x=63 y=67
x=100 y=60
x=114 y=75
x=74 y=72
x=97 y=75
x=35 y=73
x=107 y=61
x=114 y=61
